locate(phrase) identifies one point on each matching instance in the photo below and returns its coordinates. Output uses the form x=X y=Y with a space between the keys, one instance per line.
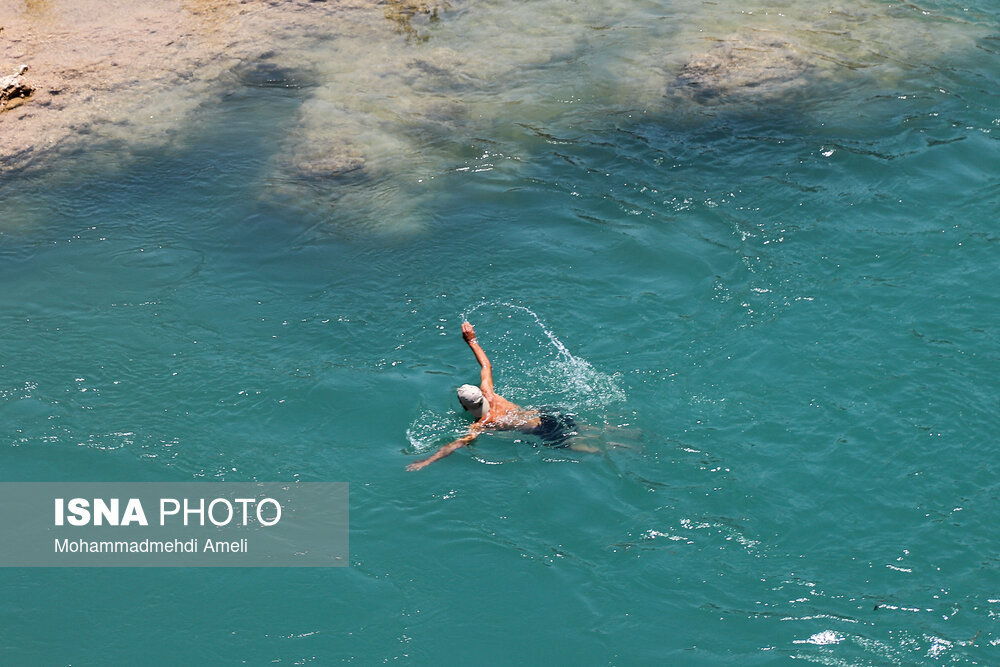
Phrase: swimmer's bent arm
x=446 y=450
x=486 y=376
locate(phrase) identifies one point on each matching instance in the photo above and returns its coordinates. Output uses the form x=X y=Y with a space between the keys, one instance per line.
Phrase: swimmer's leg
x=625 y=436
x=595 y=439
x=585 y=438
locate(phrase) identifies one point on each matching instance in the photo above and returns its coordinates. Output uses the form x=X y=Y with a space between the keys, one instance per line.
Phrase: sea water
x=776 y=307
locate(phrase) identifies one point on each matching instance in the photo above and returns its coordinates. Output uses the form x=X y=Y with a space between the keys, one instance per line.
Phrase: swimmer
x=496 y=413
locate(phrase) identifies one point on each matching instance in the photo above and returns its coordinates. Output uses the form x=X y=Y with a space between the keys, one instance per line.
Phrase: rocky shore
x=374 y=76
x=14 y=89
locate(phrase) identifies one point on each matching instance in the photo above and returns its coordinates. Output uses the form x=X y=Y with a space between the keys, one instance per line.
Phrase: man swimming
x=494 y=412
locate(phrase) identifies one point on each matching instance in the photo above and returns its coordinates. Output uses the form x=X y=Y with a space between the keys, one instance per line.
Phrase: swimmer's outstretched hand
x=468 y=333
x=446 y=450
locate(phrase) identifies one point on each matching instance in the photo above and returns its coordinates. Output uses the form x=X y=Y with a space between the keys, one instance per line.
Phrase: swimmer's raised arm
x=446 y=450
x=486 y=375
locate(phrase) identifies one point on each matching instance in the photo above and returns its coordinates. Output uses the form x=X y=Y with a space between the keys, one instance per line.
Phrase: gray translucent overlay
x=185 y=524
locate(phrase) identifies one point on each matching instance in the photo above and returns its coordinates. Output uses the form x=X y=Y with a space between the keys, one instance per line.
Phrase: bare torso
x=507 y=416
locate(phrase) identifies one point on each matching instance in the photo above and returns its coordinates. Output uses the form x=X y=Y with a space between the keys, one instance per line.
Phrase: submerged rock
x=14 y=89
x=327 y=166
x=744 y=64
x=321 y=160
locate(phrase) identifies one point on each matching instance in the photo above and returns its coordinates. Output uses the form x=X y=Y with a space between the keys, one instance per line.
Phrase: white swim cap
x=470 y=396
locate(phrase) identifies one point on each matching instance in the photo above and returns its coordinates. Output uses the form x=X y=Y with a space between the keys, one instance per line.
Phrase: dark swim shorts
x=555 y=430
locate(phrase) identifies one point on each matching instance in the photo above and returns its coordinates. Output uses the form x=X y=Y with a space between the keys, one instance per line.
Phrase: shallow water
x=779 y=304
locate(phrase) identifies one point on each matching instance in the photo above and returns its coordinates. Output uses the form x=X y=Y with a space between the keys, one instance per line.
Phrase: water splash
x=532 y=366
x=432 y=429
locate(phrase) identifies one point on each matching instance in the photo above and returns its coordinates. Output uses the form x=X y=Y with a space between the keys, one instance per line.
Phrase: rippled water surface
x=755 y=250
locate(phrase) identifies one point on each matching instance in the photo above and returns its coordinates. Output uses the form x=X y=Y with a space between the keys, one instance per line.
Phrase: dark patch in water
x=262 y=74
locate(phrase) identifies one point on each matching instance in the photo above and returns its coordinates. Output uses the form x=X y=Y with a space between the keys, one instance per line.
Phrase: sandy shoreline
x=134 y=71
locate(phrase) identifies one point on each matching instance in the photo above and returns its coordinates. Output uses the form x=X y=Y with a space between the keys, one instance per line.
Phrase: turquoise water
x=778 y=312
